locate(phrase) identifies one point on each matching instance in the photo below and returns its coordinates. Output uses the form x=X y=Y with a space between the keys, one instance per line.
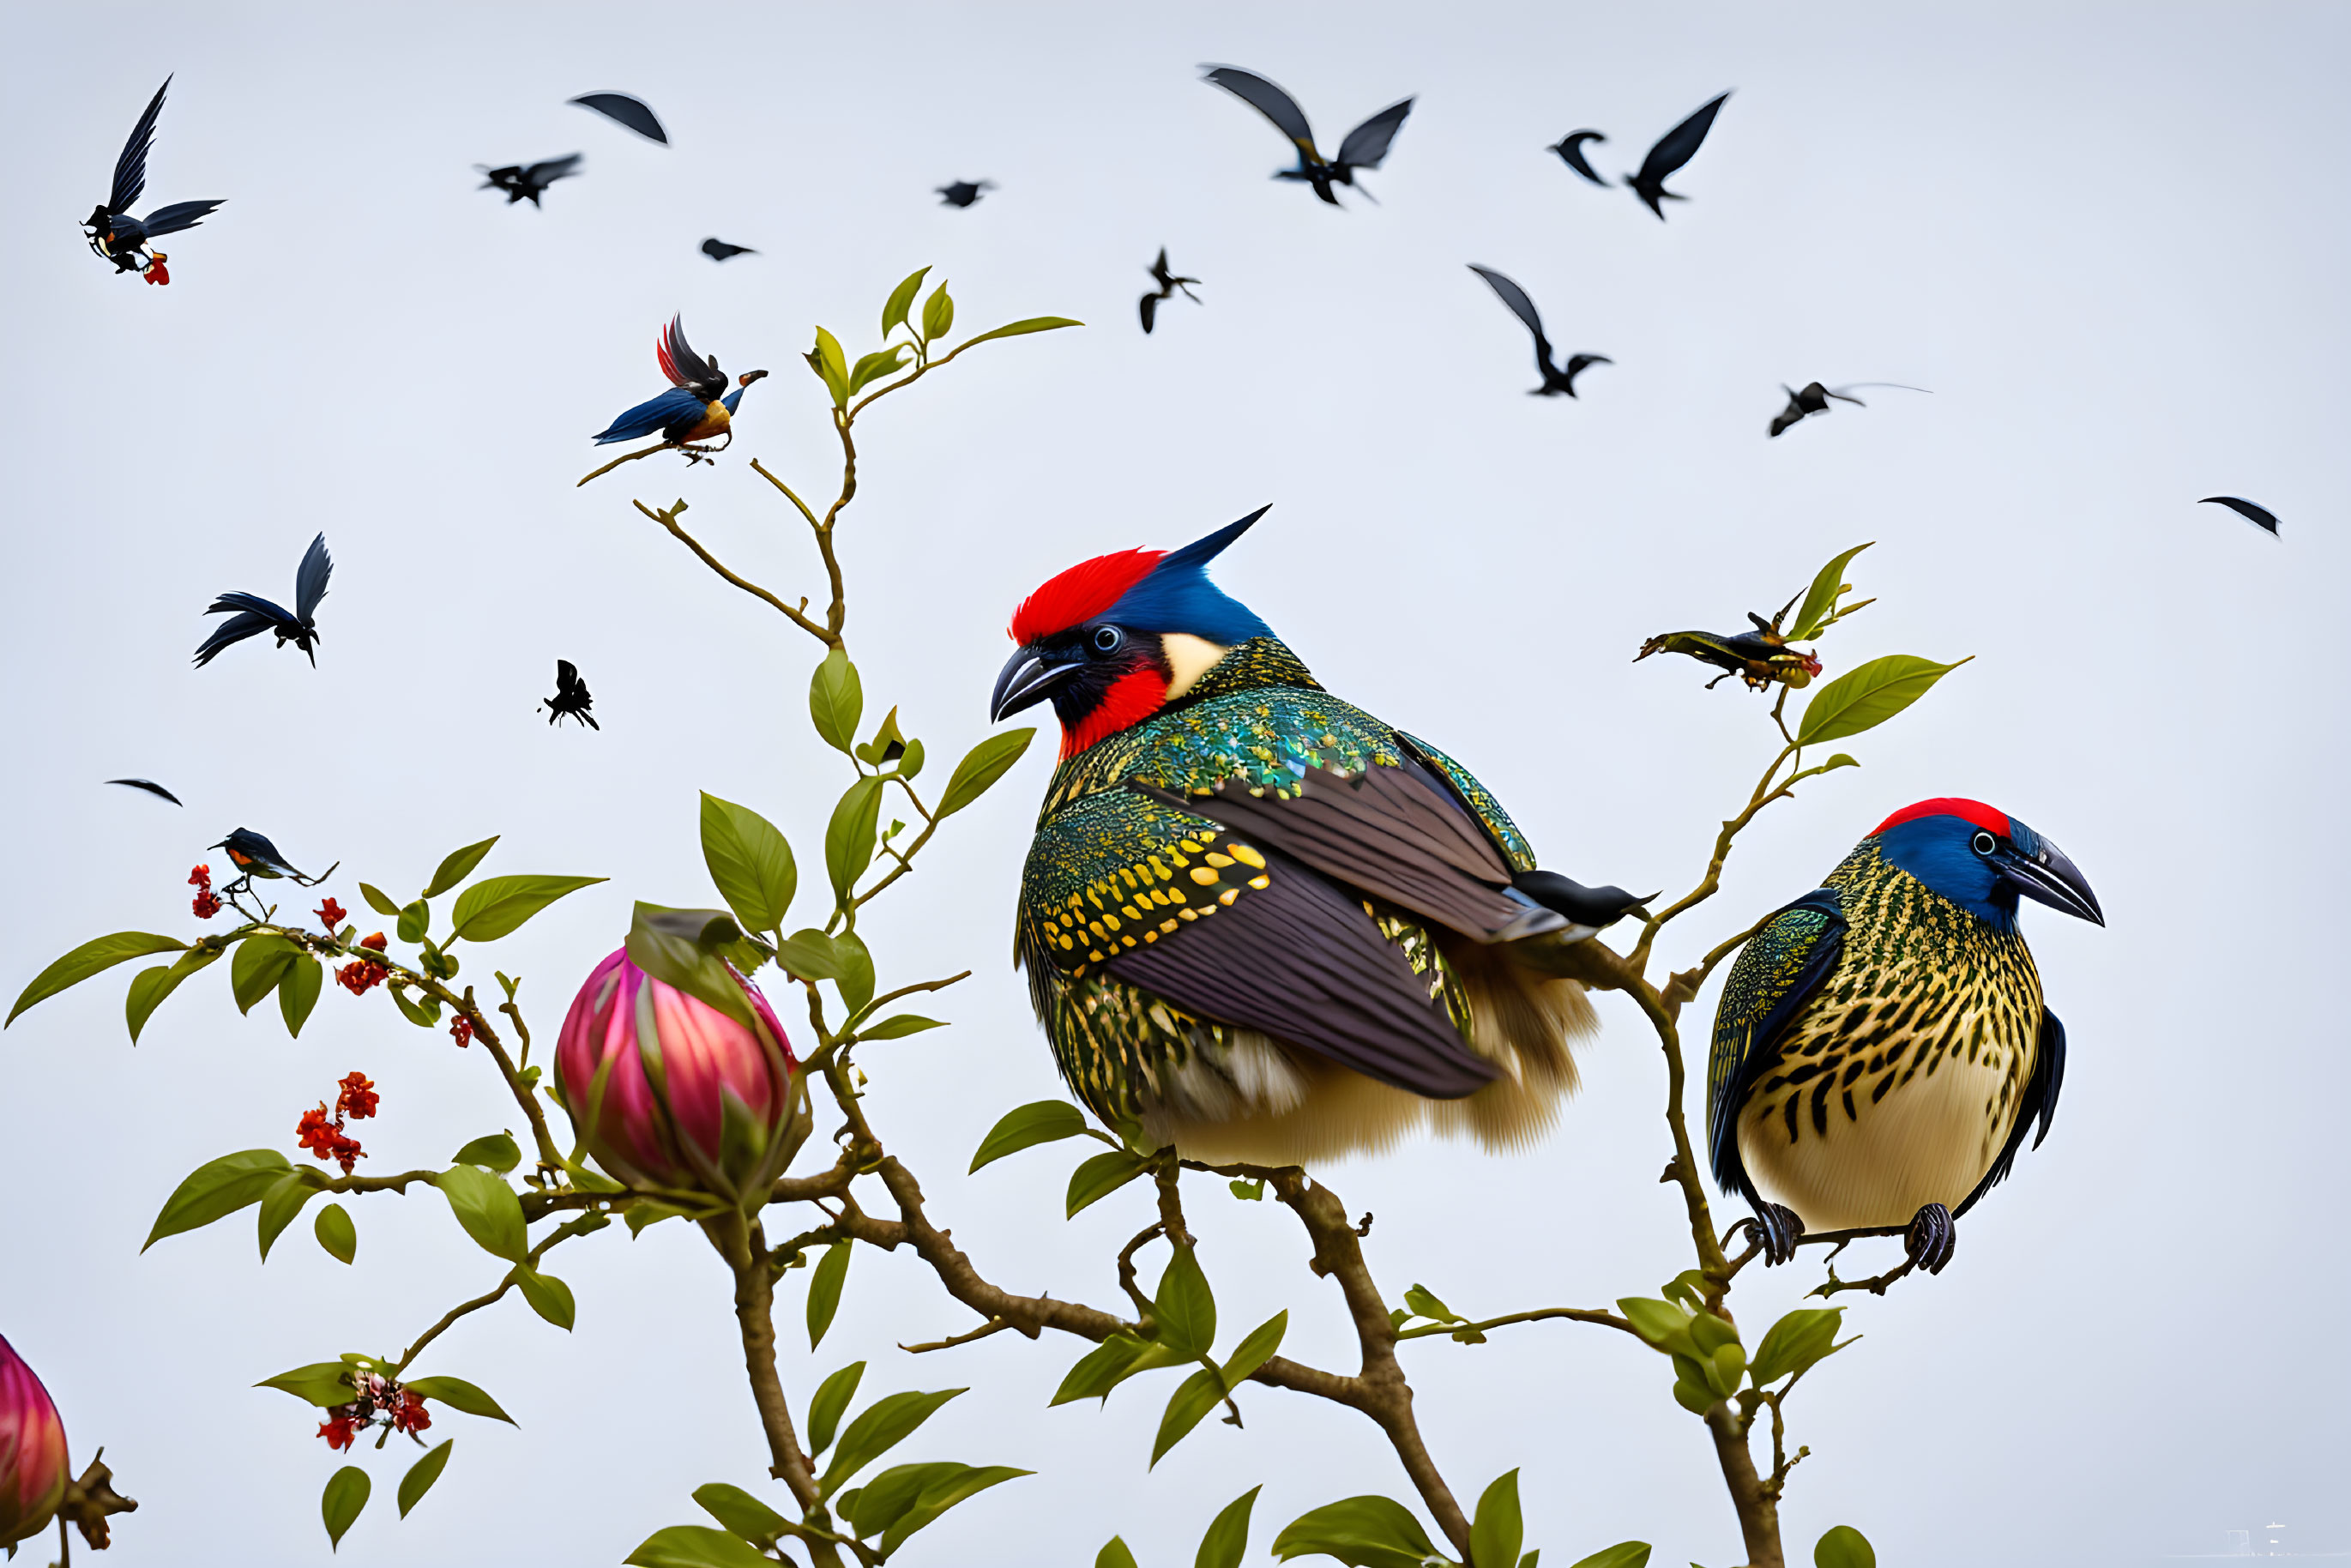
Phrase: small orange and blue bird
x=696 y=408
x=1882 y=1046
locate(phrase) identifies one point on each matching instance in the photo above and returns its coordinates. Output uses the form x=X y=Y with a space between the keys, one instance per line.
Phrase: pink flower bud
x=31 y=1452
x=669 y=1091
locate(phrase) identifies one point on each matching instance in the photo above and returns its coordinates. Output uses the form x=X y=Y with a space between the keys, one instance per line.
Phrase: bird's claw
x=1931 y=1239
x=1776 y=1228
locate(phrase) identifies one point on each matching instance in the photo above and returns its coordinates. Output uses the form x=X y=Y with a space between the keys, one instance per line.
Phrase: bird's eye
x=1108 y=639
x=1983 y=843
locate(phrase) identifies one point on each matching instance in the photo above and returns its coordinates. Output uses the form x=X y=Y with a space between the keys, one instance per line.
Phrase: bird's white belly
x=1930 y=1140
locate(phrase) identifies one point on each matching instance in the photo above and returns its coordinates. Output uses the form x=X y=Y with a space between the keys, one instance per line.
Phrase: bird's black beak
x=1029 y=676
x=2047 y=877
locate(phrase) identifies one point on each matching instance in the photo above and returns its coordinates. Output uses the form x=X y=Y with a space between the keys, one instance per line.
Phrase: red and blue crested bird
x=1882 y=1046
x=698 y=407
x=1257 y=920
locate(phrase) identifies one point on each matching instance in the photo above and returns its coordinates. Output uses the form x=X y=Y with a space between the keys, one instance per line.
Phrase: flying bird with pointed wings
x=1673 y=150
x=1365 y=146
x=1556 y=379
x=622 y=109
x=717 y=249
x=963 y=193
x=2261 y=518
x=696 y=408
x=1168 y=285
x=126 y=241
x=150 y=785
x=1570 y=149
x=249 y=614
x=1814 y=398
x=570 y=699
x=527 y=182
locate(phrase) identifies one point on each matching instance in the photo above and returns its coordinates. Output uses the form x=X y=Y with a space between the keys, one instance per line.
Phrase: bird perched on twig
x=150 y=785
x=2261 y=518
x=254 y=614
x=696 y=408
x=1554 y=379
x=570 y=699
x=1674 y=149
x=1814 y=398
x=117 y=237
x=528 y=182
x=1882 y=1047
x=1256 y=919
x=1570 y=149
x=1759 y=657
x=717 y=249
x=963 y=193
x=256 y=856
x=1365 y=146
x=1168 y=284
x=622 y=109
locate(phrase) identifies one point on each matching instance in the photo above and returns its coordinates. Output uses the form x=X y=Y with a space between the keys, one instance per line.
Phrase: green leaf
x=1822 y=597
x=88 y=959
x=378 y=900
x=750 y=861
x=1020 y=328
x=488 y=1210
x=492 y=1152
x=1531 y=1558
x=879 y=1427
x=454 y=868
x=1228 y=1536
x=883 y=1500
x=982 y=766
x=336 y=1233
x=856 y=977
x=280 y=1205
x=1114 y=1554
x=696 y=1546
x=1100 y=1176
x=828 y=348
x=1248 y=1191
x=322 y=1382
x=415 y=920
x=216 y=1190
x=1837 y=761
x=459 y=1395
x=1257 y=1350
x=489 y=910
x=828 y=1404
x=849 y=837
x=1795 y=1343
x=1193 y=1398
x=824 y=1289
x=836 y=701
x=1499 y=1530
x=339 y=1504
x=260 y=963
x=1623 y=1555
x=685 y=948
x=897 y=1028
x=1663 y=1324
x=910 y=762
x=1025 y=1127
x=1866 y=696
x=297 y=993
x=938 y=314
x=902 y=299
x=808 y=954
x=740 y=1512
x=641 y=1214
x=550 y=1297
x=424 y=1012
x=1425 y=1304
x=1844 y=1547
x=872 y=368
x=422 y=1474
x=1107 y=1366
x=944 y=1491
x=149 y=986
x=1185 y=1306
x=1362 y=1531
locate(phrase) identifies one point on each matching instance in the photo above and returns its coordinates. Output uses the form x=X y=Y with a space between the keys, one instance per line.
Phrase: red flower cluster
x=379 y=1398
x=324 y=1138
x=359 y=974
x=340 y=1429
x=331 y=916
x=206 y=904
x=461 y=1029
x=410 y=1415
x=358 y=1099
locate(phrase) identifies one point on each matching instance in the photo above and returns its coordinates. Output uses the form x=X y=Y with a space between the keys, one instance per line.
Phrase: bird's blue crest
x=1936 y=849
x=1176 y=595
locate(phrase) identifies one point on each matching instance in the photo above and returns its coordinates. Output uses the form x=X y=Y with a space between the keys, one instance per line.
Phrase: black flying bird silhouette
x=1555 y=380
x=1365 y=147
x=1814 y=398
x=570 y=699
x=1570 y=149
x=117 y=237
x=2261 y=518
x=150 y=785
x=719 y=250
x=622 y=109
x=254 y=614
x=526 y=180
x=1674 y=149
x=963 y=193
x=1168 y=284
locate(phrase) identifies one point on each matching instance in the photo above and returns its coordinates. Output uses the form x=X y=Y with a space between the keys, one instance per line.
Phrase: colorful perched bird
x=1365 y=147
x=622 y=109
x=694 y=409
x=2261 y=518
x=150 y=785
x=255 y=614
x=717 y=249
x=117 y=237
x=1881 y=1045
x=521 y=181
x=963 y=193
x=1814 y=399
x=256 y=856
x=1674 y=149
x=1555 y=381
x=570 y=699
x=1570 y=149
x=1168 y=284
x=1258 y=919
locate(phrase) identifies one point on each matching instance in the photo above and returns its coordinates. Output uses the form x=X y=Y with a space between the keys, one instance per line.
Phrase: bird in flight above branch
x=527 y=182
x=125 y=240
x=249 y=614
x=1366 y=147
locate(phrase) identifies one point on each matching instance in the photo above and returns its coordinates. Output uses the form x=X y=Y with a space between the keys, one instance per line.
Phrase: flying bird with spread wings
x=1570 y=149
x=622 y=109
x=963 y=193
x=117 y=237
x=1814 y=398
x=1555 y=377
x=1168 y=284
x=570 y=699
x=2261 y=518
x=1365 y=146
x=150 y=785
x=253 y=614
x=527 y=182
x=1674 y=149
x=717 y=249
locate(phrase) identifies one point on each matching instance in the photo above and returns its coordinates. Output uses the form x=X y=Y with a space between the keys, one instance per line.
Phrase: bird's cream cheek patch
x=1188 y=658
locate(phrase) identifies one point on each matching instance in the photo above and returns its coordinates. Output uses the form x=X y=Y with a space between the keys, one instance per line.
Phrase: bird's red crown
x=1081 y=593
x=1976 y=811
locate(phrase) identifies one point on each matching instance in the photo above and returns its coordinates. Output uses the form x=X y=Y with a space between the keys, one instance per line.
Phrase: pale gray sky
x=2110 y=238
